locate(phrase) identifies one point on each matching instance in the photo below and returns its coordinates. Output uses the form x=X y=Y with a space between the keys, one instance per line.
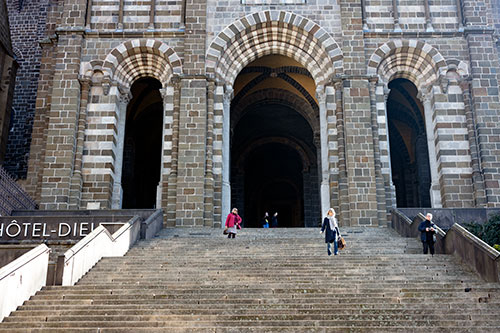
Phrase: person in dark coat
x=427 y=231
x=332 y=233
x=274 y=220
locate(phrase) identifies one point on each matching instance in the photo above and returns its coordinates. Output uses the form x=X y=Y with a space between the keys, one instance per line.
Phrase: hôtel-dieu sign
x=40 y=228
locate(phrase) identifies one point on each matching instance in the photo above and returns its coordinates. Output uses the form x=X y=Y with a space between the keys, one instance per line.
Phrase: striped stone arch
x=273 y=32
x=142 y=57
x=414 y=60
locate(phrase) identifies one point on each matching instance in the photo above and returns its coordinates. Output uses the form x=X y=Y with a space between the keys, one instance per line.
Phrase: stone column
x=426 y=99
x=395 y=13
x=379 y=182
x=152 y=15
x=171 y=187
x=226 y=153
x=428 y=22
x=325 y=173
x=119 y=26
x=76 y=179
x=363 y=16
x=88 y=16
x=123 y=101
x=209 y=174
x=382 y=93
x=343 y=186
x=480 y=199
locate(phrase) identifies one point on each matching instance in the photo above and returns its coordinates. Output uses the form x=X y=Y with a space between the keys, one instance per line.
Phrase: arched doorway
x=274 y=123
x=142 y=148
x=408 y=145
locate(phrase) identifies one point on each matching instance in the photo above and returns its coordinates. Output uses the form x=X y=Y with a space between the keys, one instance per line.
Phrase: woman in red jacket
x=233 y=221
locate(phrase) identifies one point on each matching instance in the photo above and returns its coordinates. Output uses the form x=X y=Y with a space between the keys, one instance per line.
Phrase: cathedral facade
x=294 y=106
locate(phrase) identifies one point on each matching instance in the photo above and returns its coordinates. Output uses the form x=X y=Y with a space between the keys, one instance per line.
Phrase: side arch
x=273 y=32
x=142 y=57
x=414 y=60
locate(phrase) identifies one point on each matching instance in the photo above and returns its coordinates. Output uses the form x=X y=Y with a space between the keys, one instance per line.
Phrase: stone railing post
x=226 y=151
x=426 y=99
x=325 y=173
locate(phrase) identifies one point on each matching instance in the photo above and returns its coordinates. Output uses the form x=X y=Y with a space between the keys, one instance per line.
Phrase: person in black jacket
x=332 y=234
x=427 y=230
x=274 y=220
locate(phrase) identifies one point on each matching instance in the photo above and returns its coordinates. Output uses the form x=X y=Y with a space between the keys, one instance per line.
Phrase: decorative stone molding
x=142 y=57
x=414 y=60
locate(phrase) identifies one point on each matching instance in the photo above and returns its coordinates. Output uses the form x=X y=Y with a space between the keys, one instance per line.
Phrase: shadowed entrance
x=274 y=120
x=142 y=150
x=408 y=145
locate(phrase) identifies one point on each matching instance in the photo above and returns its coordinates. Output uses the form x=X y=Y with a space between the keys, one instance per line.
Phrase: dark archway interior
x=268 y=172
x=408 y=145
x=142 y=149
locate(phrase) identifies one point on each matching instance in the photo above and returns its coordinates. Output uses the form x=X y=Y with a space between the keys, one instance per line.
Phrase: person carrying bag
x=332 y=233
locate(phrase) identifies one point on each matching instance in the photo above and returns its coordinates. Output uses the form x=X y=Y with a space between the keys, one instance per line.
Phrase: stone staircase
x=268 y=280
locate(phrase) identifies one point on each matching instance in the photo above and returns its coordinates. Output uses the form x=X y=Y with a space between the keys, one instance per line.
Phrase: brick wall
x=27 y=24
x=8 y=69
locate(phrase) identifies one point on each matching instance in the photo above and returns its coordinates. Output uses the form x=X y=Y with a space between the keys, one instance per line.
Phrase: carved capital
x=175 y=81
x=163 y=93
x=228 y=94
x=444 y=82
x=320 y=94
x=85 y=82
x=125 y=98
x=424 y=95
x=106 y=85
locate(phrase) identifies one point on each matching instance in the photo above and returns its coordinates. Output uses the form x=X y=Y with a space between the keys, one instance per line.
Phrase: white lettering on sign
x=9 y=227
x=37 y=230
x=68 y=229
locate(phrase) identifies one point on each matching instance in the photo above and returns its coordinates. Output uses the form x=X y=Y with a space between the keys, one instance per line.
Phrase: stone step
x=292 y=288
x=368 y=285
x=490 y=320
x=258 y=310
x=238 y=329
x=150 y=323
x=153 y=299
x=258 y=306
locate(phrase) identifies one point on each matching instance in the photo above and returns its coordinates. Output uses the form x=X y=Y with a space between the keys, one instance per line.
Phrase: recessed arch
x=278 y=96
x=306 y=155
x=273 y=32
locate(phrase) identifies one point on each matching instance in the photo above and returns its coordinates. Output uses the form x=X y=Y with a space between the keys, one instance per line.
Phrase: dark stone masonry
x=269 y=105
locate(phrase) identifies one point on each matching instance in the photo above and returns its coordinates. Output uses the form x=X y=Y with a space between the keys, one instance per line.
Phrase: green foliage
x=496 y=247
x=488 y=232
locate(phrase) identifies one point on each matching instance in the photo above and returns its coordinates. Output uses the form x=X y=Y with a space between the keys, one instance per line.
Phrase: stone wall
x=8 y=69
x=27 y=25
x=197 y=48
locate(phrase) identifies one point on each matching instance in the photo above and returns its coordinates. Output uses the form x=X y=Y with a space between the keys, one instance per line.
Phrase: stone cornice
x=412 y=34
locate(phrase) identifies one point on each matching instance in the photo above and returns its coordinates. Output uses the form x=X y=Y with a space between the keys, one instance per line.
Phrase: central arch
x=253 y=37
